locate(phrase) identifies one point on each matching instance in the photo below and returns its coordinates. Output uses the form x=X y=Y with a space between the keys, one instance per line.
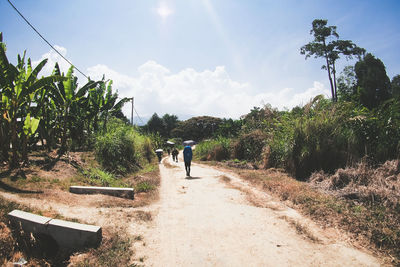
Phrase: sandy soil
x=210 y=219
x=215 y=219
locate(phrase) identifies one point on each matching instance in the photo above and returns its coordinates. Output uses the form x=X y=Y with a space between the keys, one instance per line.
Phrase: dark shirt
x=187 y=154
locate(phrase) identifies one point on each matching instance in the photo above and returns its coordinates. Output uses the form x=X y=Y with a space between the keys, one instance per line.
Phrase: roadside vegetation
x=56 y=133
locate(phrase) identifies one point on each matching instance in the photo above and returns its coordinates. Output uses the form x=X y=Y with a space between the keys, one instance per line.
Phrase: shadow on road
x=10 y=188
x=192 y=178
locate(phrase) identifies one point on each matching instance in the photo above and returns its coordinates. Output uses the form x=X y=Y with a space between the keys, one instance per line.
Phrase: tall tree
x=372 y=82
x=326 y=44
x=170 y=122
x=156 y=125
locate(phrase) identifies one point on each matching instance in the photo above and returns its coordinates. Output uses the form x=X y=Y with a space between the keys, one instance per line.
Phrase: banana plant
x=110 y=104
x=4 y=137
x=103 y=103
x=46 y=109
x=65 y=94
x=19 y=84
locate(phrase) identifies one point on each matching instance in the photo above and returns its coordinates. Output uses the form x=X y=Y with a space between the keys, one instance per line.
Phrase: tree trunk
x=24 y=139
x=330 y=78
x=5 y=142
x=14 y=141
x=334 y=80
x=64 y=134
x=329 y=72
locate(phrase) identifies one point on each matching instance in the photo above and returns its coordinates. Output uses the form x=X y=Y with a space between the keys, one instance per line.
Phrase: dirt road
x=210 y=219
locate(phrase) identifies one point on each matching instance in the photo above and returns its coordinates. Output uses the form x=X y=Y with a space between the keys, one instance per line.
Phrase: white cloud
x=288 y=98
x=52 y=58
x=193 y=93
x=189 y=92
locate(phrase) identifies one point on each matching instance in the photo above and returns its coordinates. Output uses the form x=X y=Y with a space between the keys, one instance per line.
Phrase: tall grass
x=215 y=149
x=122 y=149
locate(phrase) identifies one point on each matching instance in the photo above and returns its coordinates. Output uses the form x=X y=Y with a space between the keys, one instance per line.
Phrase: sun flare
x=164 y=11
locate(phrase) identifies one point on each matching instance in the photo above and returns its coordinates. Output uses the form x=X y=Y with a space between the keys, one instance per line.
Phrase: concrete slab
x=29 y=222
x=67 y=234
x=113 y=191
x=74 y=235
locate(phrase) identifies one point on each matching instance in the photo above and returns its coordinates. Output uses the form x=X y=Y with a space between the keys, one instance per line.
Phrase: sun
x=164 y=11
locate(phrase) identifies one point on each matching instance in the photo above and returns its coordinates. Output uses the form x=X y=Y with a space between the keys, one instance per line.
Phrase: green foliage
x=53 y=109
x=122 y=148
x=281 y=143
x=326 y=44
x=98 y=177
x=217 y=149
x=144 y=186
x=319 y=136
x=318 y=143
x=395 y=84
x=170 y=122
x=229 y=128
x=347 y=84
x=156 y=125
x=197 y=128
x=249 y=146
x=161 y=126
x=372 y=82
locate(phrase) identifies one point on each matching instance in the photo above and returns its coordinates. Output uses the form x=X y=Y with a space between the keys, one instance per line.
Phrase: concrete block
x=74 y=235
x=29 y=222
x=113 y=191
x=66 y=234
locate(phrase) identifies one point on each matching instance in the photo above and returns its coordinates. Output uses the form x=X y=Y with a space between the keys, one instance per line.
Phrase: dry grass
x=115 y=250
x=225 y=179
x=301 y=229
x=372 y=202
x=143 y=216
x=364 y=184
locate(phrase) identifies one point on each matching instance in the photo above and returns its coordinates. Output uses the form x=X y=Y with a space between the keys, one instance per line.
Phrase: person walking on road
x=175 y=153
x=159 y=153
x=187 y=158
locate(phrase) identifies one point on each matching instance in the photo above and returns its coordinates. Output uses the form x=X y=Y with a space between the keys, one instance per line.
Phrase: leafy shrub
x=216 y=149
x=250 y=146
x=280 y=146
x=319 y=142
x=98 y=177
x=144 y=186
x=121 y=149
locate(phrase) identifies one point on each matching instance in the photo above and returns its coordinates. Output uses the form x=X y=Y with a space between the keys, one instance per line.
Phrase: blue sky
x=202 y=57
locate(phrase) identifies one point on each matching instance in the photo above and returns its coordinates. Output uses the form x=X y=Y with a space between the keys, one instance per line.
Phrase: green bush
x=122 y=149
x=99 y=177
x=281 y=142
x=144 y=186
x=318 y=145
x=216 y=149
x=250 y=146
